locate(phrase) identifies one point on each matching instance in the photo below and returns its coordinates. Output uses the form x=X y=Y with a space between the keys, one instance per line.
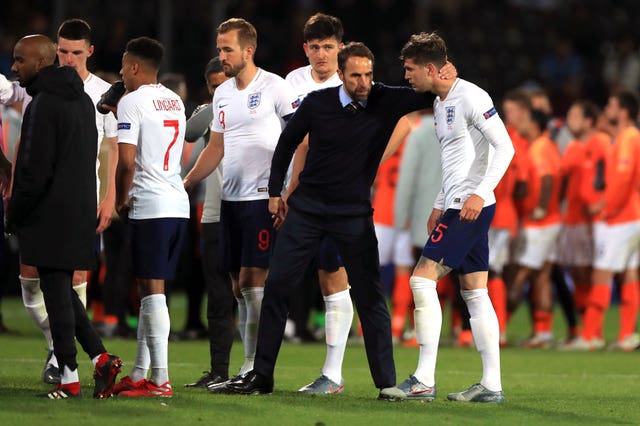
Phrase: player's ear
x=90 y=50
x=250 y=50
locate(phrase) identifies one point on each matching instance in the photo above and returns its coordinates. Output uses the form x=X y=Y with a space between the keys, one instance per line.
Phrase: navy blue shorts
x=328 y=257
x=156 y=245
x=246 y=234
x=462 y=246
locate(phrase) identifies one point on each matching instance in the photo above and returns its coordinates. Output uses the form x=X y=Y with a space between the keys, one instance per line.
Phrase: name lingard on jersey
x=167 y=105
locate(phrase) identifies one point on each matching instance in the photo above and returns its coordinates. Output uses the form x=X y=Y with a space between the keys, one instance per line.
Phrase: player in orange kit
x=541 y=225
x=394 y=245
x=582 y=159
x=617 y=233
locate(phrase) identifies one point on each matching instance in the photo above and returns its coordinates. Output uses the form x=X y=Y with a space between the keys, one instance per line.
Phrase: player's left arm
x=485 y=118
x=108 y=203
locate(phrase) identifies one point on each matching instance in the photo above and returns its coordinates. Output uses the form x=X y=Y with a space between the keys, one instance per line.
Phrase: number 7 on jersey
x=176 y=127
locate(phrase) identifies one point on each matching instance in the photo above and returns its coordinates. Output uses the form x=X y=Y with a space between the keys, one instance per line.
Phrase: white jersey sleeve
x=484 y=117
x=468 y=130
x=11 y=93
x=153 y=118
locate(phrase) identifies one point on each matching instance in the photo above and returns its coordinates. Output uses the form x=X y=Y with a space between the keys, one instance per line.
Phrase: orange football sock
x=401 y=301
x=597 y=304
x=498 y=295
x=542 y=321
x=629 y=301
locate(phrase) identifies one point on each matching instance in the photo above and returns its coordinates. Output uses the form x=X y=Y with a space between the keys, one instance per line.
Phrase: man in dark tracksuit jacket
x=349 y=127
x=54 y=201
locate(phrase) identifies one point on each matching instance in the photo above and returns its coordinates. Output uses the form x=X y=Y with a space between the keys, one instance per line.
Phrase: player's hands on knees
x=434 y=218
x=278 y=209
x=471 y=208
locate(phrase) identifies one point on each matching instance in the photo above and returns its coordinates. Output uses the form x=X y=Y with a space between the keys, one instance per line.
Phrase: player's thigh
x=156 y=245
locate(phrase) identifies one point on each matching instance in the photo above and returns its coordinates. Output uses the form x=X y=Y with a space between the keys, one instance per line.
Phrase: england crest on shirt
x=451 y=115
x=254 y=100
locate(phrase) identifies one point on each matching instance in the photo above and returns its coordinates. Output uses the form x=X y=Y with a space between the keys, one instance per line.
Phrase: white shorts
x=394 y=245
x=575 y=245
x=616 y=246
x=498 y=249
x=535 y=245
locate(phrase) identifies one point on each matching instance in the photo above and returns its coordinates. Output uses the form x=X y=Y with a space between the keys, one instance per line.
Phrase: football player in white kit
x=476 y=151
x=73 y=48
x=248 y=112
x=151 y=127
x=322 y=41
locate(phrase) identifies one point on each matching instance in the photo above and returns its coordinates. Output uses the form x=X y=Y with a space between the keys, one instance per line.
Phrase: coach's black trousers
x=67 y=318
x=219 y=300
x=296 y=244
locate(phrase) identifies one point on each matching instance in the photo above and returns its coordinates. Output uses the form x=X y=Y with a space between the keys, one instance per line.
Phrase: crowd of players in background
x=567 y=228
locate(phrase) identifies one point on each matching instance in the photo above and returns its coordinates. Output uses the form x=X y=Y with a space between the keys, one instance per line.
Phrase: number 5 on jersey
x=176 y=127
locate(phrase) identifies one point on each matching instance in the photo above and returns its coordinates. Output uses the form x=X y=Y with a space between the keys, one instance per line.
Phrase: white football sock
x=338 y=319
x=253 y=299
x=427 y=317
x=81 y=289
x=157 y=325
x=33 y=300
x=69 y=376
x=486 y=335
x=143 y=359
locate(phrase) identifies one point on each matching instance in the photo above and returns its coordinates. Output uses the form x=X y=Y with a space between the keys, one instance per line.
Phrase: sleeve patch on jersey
x=295 y=104
x=124 y=126
x=489 y=113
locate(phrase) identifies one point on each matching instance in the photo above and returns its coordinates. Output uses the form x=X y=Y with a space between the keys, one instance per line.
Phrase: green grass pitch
x=541 y=386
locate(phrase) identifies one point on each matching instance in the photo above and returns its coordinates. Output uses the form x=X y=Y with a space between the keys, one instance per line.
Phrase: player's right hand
x=278 y=209
x=434 y=218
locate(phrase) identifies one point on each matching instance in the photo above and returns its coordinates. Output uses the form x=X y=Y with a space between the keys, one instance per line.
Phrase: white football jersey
x=94 y=86
x=303 y=83
x=250 y=120
x=107 y=124
x=153 y=118
x=470 y=133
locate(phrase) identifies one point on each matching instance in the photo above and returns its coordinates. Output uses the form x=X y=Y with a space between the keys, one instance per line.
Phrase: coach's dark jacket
x=53 y=203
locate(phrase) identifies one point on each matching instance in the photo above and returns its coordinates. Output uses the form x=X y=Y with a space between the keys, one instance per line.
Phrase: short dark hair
x=518 y=96
x=540 y=118
x=629 y=102
x=354 y=48
x=423 y=48
x=213 y=67
x=247 y=34
x=75 y=29
x=589 y=109
x=147 y=49
x=321 y=26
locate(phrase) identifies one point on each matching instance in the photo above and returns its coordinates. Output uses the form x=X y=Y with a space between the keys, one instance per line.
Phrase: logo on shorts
x=295 y=104
x=451 y=115
x=254 y=100
x=124 y=126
